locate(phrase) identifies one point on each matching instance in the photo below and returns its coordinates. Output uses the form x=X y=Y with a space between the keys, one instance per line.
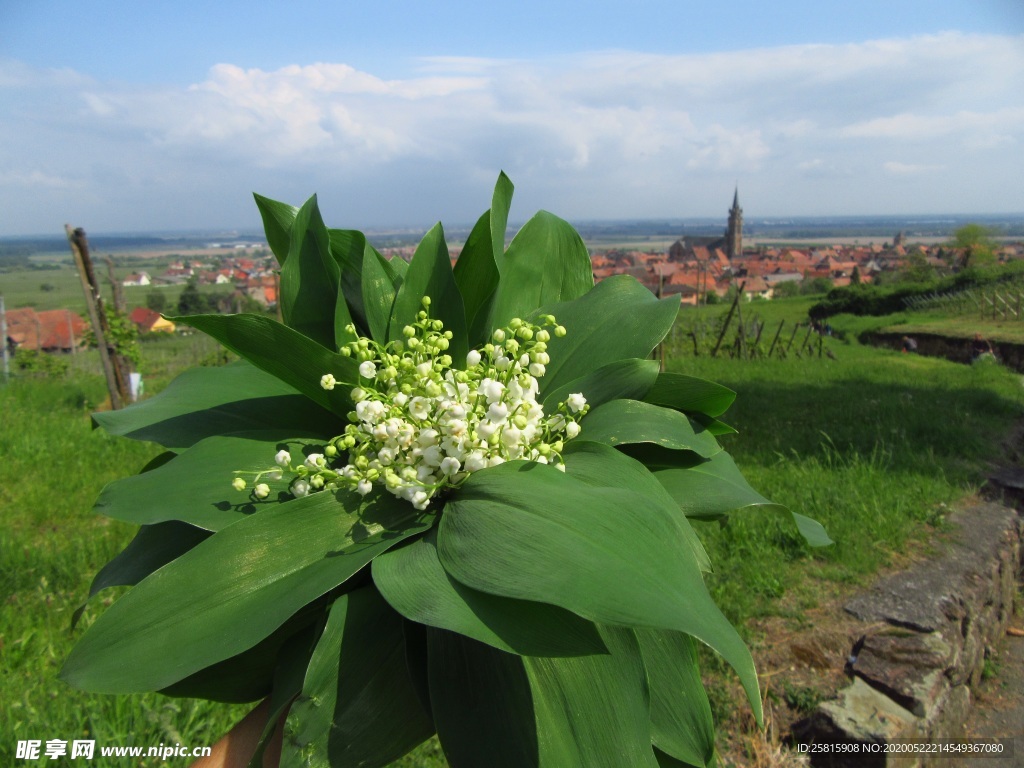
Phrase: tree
x=815 y=285
x=976 y=244
x=191 y=302
x=786 y=289
x=916 y=269
x=855 y=276
x=156 y=300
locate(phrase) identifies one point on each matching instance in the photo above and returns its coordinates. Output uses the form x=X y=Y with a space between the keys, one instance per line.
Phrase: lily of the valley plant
x=432 y=500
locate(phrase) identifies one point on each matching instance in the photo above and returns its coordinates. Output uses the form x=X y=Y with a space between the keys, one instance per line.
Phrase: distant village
x=696 y=269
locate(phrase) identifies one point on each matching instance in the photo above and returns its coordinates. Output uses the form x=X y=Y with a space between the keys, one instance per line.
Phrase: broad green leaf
x=476 y=270
x=153 y=547
x=600 y=465
x=667 y=761
x=285 y=353
x=347 y=248
x=710 y=490
x=249 y=676
x=610 y=554
x=345 y=330
x=399 y=268
x=378 y=293
x=630 y=421
x=630 y=378
x=203 y=402
x=476 y=274
x=358 y=707
x=430 y=274
x=234 y=589
x=618 y=319
x=412 y=580
x=545 y=263
x=292 y=662
x=195 y=487
x=278 y=219
x=712 y=425
x=496 y=709
x=814 y=533
x=690 y=394
x=310 y=278
x=681 y=722
x=481 y=702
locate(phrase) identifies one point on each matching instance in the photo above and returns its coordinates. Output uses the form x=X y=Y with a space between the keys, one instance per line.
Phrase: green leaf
x=378 y=293
x=203 y=402
x=499 y=710
x=278 y=219
x=618 y=319
x=681 y=722
x=814 y=533
x=347 y=248
x=250 y=675
x=234 y=589
x=195 y=487
x=430 y=274
x=481 y=702
x=153 y=547
x=712 y=489
x=601 y=466
x=545 y=263
x=285 y=353
x=630 y=378
x=358 y=707
x=310 y=278
x=292 y=662
x=712 y=425
x=476 y=270
x=412 y=580
x=631 y=421
x=690 y=394
x=610 y=554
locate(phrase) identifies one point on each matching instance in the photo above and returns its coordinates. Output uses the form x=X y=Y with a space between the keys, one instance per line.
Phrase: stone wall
x=930 y=630
x=951 y=348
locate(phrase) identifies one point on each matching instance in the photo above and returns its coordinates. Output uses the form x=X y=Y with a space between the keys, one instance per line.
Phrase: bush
x=32 y=362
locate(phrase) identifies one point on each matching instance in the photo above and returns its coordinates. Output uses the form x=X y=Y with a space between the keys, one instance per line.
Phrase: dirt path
x=998 y=710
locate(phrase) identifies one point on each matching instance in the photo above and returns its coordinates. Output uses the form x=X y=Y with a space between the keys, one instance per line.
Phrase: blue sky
x=128 y=116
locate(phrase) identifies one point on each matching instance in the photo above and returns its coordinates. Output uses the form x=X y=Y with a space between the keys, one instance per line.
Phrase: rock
x=907 y=666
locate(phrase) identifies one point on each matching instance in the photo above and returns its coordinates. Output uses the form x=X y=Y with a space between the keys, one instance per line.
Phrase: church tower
x=734 y=233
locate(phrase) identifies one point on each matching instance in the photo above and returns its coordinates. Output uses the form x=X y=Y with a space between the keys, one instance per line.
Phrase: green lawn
x=871 y=443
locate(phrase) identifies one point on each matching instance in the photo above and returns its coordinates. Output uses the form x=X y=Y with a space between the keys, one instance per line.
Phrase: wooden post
x=98 y=318
x=115 y=288
x=741 y=335
x=71 y=334
x=804 y=345
x=790 y=345
x=757 y=338
x=772 y=347
x=728 y=319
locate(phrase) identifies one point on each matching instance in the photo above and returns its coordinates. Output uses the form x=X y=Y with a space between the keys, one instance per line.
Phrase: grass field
x=62 y=288
x=873 y=444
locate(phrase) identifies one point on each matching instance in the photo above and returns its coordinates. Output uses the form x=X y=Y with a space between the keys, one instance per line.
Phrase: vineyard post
x=98 y=318
x=772 y=347
x=728 y=319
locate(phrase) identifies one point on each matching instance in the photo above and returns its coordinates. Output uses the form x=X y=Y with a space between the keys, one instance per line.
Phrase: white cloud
x=603 y=134
x=909 y=169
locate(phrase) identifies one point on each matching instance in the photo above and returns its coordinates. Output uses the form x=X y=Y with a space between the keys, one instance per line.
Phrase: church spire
x=734 y=232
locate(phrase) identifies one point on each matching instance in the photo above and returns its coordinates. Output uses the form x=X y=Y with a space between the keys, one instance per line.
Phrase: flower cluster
x=421 y=425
